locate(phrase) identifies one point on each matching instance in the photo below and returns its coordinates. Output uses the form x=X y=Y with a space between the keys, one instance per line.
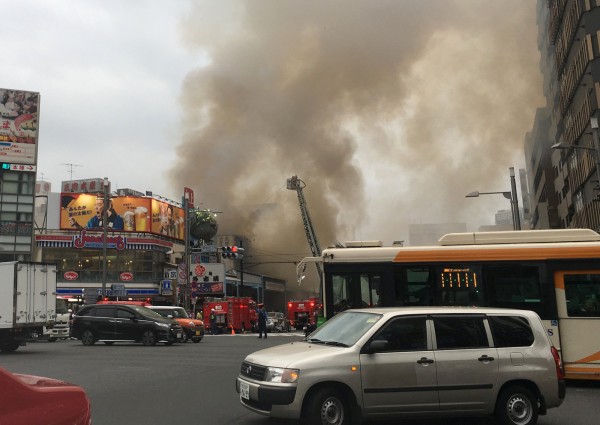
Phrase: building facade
x=561 y=153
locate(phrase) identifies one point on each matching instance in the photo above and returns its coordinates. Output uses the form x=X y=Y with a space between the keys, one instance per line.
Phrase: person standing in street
x=213 y=322
x=262 y=321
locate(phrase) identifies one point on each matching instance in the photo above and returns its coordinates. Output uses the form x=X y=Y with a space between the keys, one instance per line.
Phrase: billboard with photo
x=18 y=126
x=125 y=213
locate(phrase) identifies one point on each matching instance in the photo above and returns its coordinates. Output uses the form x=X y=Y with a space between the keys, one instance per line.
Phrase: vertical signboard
x=18 y=126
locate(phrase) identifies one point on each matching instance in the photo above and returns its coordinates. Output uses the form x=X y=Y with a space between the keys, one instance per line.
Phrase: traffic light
x=232 y=252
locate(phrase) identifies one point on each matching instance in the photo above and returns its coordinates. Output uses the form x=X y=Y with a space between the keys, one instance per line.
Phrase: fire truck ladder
x=296 y=184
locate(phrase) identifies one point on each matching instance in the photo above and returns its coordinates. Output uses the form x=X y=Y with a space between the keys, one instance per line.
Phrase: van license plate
x=244 y=390
x=179 y=335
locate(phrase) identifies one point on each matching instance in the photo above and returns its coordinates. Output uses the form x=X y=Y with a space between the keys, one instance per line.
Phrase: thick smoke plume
x=389 y=111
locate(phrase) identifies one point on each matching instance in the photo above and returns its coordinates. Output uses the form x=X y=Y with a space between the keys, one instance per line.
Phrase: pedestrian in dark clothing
x=213 y=322
x=262 y=321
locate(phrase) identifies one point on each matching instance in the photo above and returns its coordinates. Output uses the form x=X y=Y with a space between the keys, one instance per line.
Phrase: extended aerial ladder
x=294 y=183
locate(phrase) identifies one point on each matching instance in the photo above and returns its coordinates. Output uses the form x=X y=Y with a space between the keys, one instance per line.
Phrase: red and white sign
x=200 y=270
x=126 y=276
x=71 y=275
x=189 y=195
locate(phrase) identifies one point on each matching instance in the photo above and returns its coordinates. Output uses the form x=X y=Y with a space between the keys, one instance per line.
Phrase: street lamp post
x=105 y=186
x=514 y=201
x=186 y=260
x=510 y=195
x=594 y=125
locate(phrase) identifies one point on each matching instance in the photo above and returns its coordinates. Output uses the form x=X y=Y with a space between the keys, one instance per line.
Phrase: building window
x=578 y=201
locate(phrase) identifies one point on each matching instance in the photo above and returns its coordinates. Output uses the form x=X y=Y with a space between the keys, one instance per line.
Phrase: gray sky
x=391 y=111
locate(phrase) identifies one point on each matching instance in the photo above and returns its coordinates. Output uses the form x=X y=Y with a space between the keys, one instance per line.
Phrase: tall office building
x=560 y=150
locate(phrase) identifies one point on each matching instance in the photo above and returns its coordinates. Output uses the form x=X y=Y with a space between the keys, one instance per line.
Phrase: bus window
x=460 y=285
x=413 y=286
x=341 y=292
x=582 y=292
x=515 y=286
x=369 y=290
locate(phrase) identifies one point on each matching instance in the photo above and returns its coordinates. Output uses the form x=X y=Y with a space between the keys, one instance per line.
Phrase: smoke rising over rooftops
x=389 y=111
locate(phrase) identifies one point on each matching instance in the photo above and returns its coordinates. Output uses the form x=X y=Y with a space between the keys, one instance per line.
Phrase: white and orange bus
x=555 y=273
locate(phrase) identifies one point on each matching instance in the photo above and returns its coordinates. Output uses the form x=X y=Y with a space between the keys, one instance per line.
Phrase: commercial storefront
x=138 y=266
x=145 y=246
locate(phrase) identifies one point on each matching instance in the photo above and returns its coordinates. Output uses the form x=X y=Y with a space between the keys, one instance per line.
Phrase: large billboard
x=18 y=126
x=125 y=213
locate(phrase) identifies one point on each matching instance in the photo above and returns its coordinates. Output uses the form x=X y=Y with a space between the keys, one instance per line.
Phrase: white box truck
x=61 y=328
x=27 y=302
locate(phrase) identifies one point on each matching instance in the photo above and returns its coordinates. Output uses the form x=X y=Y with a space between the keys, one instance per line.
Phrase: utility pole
x=186 y=260
x=241 y=267
x=515 y=201
x=105 y=188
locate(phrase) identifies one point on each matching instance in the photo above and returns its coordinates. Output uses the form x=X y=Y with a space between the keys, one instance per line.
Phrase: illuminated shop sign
x=97 y=241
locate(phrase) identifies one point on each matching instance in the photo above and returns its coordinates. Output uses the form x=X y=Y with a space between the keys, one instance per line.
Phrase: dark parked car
x=119 y=322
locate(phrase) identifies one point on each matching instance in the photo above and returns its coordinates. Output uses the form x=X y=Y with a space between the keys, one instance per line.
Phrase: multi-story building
x=145 y=250
x=560 y=151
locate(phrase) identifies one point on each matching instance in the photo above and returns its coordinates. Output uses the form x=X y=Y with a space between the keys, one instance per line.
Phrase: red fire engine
x=239 y=312
x=303 y=313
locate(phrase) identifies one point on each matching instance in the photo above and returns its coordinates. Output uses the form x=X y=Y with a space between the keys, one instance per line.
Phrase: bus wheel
x=517 y=406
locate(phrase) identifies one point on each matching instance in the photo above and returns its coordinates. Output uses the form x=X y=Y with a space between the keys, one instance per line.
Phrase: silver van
x=381 y=363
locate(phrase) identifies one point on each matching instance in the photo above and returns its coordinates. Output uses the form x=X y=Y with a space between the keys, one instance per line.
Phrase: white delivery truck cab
x=27 y=302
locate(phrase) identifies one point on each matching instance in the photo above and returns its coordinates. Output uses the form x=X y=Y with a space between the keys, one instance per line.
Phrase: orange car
x=192 y=328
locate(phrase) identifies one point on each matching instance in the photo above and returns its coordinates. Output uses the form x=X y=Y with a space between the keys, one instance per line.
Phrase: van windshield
x=344 y=329
x=61 y=306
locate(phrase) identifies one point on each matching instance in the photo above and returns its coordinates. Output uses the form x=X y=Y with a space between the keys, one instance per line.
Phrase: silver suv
x=403 y=362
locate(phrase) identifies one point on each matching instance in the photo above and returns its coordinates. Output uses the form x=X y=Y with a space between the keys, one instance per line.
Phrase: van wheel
x=184 y=337
x=327 y=406
x=88 y=338
x=148 y=337
x=517 y=406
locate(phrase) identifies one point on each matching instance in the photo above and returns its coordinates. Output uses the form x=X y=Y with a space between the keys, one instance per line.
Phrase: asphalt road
x=195 y=383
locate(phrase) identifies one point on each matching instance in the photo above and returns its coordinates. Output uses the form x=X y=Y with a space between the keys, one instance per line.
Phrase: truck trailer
x=27 y=302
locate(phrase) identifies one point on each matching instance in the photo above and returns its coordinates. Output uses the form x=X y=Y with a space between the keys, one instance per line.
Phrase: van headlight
x=163 y=325
x=277 y=374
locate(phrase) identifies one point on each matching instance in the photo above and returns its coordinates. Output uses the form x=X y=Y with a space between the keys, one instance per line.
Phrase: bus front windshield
x=344 y=329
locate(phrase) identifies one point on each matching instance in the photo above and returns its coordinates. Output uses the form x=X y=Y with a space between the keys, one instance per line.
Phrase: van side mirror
x=378 y=346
